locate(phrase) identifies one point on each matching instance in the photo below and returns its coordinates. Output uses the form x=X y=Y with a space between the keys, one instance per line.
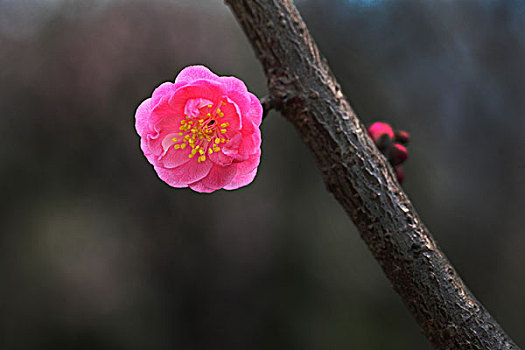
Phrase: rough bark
x=303 y=88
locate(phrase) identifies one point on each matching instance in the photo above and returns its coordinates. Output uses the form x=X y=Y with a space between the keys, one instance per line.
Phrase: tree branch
x=305 y=91
x=268 y=103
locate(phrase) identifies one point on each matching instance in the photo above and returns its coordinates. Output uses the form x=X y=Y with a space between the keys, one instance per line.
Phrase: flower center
x=205 y=134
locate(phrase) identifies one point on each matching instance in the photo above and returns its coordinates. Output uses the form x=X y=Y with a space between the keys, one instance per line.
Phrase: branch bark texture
x=303 y=88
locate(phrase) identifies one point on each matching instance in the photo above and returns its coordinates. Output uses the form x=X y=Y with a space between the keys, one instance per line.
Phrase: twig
x=268 y=103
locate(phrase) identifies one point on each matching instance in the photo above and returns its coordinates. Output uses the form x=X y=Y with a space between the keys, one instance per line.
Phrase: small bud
x=402 y=137
x=382 y=135
x=398 y=154
x=379 y=128
x=383 y=143
x=400 y=174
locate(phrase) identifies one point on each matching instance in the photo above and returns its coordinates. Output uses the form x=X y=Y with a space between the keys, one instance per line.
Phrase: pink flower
x=201 y=131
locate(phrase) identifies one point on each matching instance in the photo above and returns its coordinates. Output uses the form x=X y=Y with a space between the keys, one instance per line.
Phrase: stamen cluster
x=199 y=133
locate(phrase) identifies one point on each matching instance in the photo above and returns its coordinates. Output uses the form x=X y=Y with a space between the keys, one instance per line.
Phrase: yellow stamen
x=201 y=134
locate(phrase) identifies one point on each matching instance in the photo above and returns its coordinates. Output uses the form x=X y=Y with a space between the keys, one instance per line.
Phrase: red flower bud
x=391 y=145
x=398 y=154
x=400 y=174
x=383 y=143
x=402 y=137
x=379 y=128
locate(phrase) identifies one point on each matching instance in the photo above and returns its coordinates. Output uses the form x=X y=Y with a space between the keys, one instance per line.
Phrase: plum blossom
x=202 y=131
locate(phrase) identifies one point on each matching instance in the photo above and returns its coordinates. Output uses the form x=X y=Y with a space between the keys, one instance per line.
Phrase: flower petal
x=220 y=158
x=192 y=107
x=233 y=84
x=172 y=158
x=154 y=140
x=250 y=143
x=185 y=174
x=255 y=111
x=175 y=157
x=141 y=116
x=232 y=148
x=145 y=148
x=198 y=187
x=192 y=73
x=160 y=111
x=217 y=178
x=197 y=89
x=164 y=89
x=250 y=164
x=232 y=115
x=241 y=180
x=241 y=100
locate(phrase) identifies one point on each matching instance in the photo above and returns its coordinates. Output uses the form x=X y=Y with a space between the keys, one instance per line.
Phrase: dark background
x=97 y=253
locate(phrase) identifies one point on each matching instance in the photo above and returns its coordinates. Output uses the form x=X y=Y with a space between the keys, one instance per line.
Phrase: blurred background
x=97 y=253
